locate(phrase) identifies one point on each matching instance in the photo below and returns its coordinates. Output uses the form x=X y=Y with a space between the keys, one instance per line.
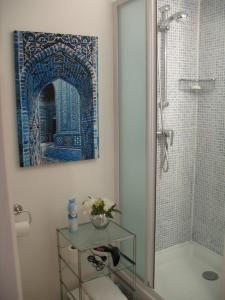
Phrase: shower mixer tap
x=162 y=106
x=167 y=134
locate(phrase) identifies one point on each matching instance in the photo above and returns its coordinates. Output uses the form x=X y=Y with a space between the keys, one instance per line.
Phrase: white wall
x=45 y=190
x=10 y=282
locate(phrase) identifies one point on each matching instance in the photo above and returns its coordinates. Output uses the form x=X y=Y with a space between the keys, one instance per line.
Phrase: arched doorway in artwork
x=40 y=75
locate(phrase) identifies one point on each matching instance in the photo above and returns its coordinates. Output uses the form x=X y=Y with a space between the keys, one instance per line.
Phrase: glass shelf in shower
x=197 y=84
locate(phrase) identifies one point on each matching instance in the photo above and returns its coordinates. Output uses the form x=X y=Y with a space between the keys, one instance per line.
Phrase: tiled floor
x=179 y=273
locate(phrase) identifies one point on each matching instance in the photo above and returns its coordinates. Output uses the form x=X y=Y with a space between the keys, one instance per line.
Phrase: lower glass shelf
x=96 y=289
x=89 y=270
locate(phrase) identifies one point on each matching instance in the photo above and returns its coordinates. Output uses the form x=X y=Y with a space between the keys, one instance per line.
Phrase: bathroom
x=161 y=145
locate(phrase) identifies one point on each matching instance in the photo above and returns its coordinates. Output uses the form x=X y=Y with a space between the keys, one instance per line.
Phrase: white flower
x=108 y=203
x=87 y=204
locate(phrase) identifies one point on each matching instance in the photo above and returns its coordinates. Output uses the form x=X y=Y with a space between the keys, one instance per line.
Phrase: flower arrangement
x=100 y=206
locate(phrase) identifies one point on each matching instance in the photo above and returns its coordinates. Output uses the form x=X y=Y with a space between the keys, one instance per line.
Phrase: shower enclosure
x=171 y=142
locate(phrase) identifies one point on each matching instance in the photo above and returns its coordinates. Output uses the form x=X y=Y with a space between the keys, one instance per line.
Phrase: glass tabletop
x=88 y=237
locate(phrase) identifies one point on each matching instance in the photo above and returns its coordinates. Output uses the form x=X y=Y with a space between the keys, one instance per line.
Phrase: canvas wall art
x=57 y=97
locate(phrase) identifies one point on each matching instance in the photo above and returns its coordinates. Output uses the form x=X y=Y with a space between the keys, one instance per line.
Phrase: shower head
x=180 y=16
x=164 y=9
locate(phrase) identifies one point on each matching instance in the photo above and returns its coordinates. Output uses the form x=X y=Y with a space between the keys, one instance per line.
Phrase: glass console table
x=77 y=271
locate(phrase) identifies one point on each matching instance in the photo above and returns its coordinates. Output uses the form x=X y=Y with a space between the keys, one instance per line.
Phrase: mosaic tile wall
x=209 y=205
x=191 y=196
x=175 y=188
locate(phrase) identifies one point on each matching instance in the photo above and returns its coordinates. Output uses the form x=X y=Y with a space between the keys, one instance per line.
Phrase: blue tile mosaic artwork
x=57 y=97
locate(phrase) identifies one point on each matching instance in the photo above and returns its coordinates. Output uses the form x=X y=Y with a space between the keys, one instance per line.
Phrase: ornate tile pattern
x=68 y=64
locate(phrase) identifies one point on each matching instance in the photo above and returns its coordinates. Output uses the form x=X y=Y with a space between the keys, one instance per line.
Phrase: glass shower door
x=131 y=19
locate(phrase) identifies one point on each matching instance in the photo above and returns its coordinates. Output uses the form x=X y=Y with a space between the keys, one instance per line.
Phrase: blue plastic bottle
x=72 y=214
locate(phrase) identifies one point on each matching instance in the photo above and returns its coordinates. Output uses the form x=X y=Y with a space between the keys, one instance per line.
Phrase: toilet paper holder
x=18 y=209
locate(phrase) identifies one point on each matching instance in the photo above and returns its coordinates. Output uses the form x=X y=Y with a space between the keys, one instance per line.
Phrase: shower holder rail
x=197 y=84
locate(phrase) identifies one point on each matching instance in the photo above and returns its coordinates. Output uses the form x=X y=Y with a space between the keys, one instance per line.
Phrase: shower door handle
x=171 y=135
x=166 y=143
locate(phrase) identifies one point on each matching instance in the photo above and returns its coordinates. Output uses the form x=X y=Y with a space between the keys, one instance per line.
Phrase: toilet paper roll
x=22 y=229
x=72 y=255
